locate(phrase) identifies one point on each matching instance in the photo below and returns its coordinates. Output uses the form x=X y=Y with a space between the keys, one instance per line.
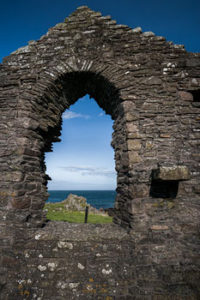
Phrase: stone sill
x=171 y=173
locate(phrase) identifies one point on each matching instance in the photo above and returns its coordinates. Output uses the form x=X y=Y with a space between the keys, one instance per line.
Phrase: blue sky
x=84 y=159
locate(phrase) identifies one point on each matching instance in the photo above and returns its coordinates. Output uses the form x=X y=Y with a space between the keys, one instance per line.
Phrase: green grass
x=57 y=212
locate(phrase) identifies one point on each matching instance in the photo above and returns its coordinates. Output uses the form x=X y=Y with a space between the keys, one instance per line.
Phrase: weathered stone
x=134 y=157
x=159 y=227
x=131 y=127
x=137 y=30
x=154 y=80
x=193 y=62
x=134 y=135
x=131 y=117
x=134 y=145
x=11 y=176
x=171 y=173
x=139 y=191
x=149 y=145
x=148 y=34
x=17 y=203
x=24 y=49
x=165 y=135
x=128 y=106
x=150 y=88
x=194 y=82
x=75 y=203
x=78 y=203
x=185 y=96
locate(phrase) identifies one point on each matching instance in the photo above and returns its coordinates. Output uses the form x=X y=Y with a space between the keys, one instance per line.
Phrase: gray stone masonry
x=151 y=89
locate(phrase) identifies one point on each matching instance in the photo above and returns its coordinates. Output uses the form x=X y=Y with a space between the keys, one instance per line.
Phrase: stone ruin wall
x=151 y=89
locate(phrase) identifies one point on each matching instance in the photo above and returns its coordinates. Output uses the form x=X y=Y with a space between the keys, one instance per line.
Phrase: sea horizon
x=96 y=198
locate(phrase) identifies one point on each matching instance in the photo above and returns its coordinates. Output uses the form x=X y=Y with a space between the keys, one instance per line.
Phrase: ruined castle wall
x=150 y=87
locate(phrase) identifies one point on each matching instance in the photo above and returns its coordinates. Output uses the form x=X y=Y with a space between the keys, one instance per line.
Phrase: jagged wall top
x=84 y=13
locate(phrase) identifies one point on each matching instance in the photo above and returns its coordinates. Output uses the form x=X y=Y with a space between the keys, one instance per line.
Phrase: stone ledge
x=81 y=232
x=171 y=173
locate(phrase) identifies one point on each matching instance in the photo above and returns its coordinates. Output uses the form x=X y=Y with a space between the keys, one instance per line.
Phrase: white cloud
x=90 y=171
x=70 y=185
x=72 y=115
x=82 y=177
x=100 y=114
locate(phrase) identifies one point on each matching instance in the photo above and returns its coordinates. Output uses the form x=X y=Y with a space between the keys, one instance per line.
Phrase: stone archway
x=73 y=85
x=138 y=78
x=40 y=125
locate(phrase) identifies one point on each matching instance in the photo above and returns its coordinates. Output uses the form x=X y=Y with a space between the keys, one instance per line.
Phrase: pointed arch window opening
x=84 y=160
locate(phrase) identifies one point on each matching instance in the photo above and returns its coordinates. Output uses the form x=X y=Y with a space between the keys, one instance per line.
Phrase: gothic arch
x=47 y=111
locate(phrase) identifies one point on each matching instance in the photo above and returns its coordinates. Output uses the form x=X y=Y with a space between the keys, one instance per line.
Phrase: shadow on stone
x=164 y=189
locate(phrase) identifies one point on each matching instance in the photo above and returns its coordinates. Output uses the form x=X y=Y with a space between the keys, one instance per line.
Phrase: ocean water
x=98 y=199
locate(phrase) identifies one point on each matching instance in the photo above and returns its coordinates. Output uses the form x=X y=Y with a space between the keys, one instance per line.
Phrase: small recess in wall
x=167 y=189
x=196 y=95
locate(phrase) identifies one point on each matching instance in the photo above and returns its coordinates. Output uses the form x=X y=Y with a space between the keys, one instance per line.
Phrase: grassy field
x=57 y=212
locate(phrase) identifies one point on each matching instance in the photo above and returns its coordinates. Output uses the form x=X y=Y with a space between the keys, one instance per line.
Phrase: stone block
x=154 y=81
x=131 y=116
x=134 y=135
x=139 y=191
x=193 y=62
x=131 y=127
x=134 y=157
x=185 y=96
x=18 y=203
x=11 y=176
x=171 y=173
x=148 y=34
x=149 y=145
x=165 y=135
x=137 y=30
x=159 y=227
x=128 y=106
x=134 y=144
